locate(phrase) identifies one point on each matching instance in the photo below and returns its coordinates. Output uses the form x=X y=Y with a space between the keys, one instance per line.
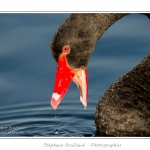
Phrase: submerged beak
x=64 y=75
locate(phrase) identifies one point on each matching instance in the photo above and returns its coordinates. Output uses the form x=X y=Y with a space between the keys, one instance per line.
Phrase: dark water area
x=27 y=73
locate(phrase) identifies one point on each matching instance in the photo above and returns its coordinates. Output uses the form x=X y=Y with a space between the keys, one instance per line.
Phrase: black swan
x=124 y=109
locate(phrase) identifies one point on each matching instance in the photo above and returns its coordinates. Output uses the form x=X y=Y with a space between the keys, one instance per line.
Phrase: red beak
x=64 y=75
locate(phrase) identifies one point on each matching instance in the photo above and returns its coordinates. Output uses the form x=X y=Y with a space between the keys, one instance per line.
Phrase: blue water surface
x=27 y=73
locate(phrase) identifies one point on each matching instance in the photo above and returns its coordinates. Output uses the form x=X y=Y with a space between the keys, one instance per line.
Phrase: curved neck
x=101 y=22
x=91 y=26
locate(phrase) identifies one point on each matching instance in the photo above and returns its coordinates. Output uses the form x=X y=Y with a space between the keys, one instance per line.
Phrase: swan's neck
x=99 y=23
x=92 y=26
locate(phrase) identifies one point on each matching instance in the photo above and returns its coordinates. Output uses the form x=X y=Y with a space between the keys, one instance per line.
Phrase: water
x=27 y=72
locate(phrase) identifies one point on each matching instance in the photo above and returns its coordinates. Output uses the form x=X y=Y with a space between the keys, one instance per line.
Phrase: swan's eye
x=66 y=49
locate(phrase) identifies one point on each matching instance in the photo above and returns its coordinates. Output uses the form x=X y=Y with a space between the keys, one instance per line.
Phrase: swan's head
x=71 y=47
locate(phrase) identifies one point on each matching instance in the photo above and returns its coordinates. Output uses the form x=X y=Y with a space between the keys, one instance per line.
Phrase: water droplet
x=84 y=107
x=56 y=131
